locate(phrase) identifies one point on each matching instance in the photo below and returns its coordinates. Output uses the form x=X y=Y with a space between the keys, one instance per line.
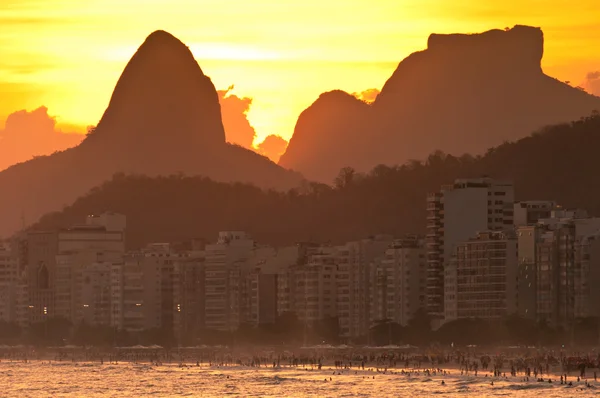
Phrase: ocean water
x=43 y=379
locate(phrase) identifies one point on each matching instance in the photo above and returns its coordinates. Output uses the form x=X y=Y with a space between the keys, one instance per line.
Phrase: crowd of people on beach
x=524 y=366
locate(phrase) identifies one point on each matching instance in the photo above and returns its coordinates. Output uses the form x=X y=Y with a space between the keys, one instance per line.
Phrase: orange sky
x=68 y=54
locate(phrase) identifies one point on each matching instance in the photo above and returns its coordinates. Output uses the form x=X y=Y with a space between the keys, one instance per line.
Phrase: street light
x=46 y=324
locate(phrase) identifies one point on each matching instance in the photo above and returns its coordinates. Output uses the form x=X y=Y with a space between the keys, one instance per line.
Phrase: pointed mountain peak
x=163 y=100
x=162 y=35
x=163 y=44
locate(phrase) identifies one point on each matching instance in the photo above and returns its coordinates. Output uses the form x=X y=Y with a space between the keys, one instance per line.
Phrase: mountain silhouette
x=163 y=118
x=463 y=94
x=558 y=163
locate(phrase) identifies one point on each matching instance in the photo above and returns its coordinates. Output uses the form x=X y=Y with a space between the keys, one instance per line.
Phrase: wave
x=529 y=386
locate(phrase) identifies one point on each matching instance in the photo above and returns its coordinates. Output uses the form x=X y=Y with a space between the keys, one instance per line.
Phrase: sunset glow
x=67 y=55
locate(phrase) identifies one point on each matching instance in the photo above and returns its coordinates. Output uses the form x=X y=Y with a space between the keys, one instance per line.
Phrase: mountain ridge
x=463 y=94
x=388 y=200
x=163 y=118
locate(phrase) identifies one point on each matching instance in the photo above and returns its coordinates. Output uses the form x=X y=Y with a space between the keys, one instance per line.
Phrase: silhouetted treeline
x=288 y=330
x=558 y=163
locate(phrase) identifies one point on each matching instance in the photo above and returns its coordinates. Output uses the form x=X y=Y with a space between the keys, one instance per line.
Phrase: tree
x=386 y=331
x=345 y=178
x=586 y=331
x=53 y=331
x=418 y=330
x=520 y=330
x=327 y=330
x=9 y=332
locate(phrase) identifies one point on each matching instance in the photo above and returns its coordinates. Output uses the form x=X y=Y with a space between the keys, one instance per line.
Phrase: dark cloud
x=272 y=147
x=592 y=83
x=234 y=111
x=28 y=134
x=367 y=95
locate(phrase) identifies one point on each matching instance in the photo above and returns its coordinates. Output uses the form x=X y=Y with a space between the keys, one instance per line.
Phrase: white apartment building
x=127 y=293
x=145 y=289
x=481 y=278
x=289 y=296
x=82 y=285
x=354 y=260
x=399 y=281
x=227 y=261
x=315 y=287
x=455 y=214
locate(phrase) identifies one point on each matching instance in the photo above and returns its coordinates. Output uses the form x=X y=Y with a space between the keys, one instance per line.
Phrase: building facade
x=456 y=213
x=481 y=279
x=399 y=281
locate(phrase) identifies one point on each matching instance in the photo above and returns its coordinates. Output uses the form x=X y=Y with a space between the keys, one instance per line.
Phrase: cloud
x=592 y=83
x=367 y=95
x=272 y=147
x=234 y=111
x=28 y=134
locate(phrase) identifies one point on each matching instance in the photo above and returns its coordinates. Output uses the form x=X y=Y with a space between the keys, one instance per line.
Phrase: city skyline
x=299 y=198
x=501 y=258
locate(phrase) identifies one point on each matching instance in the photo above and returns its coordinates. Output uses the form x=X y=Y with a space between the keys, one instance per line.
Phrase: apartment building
x=481 y=278
x=104 y=233
x=189 y=293
x=289 y=296
x=82 y=285
x=353 y=283
x=315 y=287
x=227 y=261
x=263 y=298
x=587 y=276
x=558 y=267
x=127 y=293
x=531 y=211
x=9 y=274
x=399 y=281
x=455 y=214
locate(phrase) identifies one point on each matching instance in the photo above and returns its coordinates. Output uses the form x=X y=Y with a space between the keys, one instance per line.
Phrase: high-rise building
x=481 y=278
x=9 y=274
x=528 y=238
x=315 y=287
x=102 y=234
x=587 y=276
x=289 y=296
x=555 y=263
x=189 y=293
x=82 y=285
x=455 y=214
x=127 y=293
x=399 y=279
x=558 y=267
x=353 y=283
x=227 y=261
x=263 y=298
